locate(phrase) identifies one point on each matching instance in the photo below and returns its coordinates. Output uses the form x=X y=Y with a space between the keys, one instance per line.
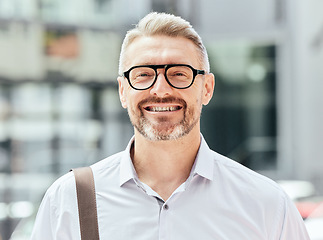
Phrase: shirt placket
x=163 y=222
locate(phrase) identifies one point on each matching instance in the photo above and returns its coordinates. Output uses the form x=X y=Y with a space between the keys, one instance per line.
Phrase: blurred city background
x=59 y=104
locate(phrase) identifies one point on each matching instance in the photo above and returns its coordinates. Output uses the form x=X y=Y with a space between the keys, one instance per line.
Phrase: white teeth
x=163 y=109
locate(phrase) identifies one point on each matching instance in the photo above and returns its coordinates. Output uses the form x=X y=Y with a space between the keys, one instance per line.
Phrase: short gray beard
x=174 y=132
x=146 y=129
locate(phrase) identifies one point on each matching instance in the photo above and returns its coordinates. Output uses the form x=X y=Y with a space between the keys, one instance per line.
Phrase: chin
x=172 y=133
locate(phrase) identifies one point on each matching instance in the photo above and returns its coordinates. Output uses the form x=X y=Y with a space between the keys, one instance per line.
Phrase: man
x=168 y=184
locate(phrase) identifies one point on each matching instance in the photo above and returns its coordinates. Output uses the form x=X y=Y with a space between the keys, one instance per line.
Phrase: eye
x=179 y=74
x=143 y=74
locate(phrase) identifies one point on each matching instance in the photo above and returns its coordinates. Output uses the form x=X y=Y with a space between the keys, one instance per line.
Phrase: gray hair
x=164 y=24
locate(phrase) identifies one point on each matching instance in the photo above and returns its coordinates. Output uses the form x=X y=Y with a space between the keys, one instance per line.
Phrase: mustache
x=169 y=99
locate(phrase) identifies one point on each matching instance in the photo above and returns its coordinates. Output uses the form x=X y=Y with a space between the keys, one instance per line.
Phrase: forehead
x=161 y=50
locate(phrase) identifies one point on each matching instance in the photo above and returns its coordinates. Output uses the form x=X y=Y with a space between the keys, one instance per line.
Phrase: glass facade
x=241 y=120
x=49 y=128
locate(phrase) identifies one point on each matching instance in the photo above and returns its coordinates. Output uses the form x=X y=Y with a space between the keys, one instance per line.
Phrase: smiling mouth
x=163 y=109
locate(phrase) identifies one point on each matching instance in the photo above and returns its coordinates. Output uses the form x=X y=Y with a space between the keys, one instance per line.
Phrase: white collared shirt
x=221 y=200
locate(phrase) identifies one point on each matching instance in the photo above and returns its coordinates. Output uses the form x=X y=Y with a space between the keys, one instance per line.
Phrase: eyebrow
x=169 y=63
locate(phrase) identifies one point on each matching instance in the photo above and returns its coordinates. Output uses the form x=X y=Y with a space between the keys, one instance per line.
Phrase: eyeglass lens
x=144 y=77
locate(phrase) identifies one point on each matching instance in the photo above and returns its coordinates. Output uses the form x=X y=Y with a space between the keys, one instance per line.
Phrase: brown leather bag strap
x=86 y=201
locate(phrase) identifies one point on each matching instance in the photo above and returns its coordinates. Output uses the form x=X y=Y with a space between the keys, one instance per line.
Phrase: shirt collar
x=203 y=165
x=127 y=170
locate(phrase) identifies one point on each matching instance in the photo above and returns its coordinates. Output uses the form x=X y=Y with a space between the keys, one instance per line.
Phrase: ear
x=122 y=94
x=208 y=88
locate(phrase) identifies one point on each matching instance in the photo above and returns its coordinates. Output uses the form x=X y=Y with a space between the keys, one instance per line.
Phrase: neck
x=165 y=165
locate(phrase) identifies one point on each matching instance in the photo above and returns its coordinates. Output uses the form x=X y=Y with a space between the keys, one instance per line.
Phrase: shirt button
x=166 y=207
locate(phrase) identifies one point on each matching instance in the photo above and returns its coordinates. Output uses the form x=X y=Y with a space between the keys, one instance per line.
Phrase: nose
x=161 y=88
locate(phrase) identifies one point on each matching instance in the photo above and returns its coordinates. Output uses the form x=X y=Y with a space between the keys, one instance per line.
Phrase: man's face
x=163 y=112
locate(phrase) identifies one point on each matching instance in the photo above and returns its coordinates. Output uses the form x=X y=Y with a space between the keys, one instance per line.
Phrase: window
x=240 y=122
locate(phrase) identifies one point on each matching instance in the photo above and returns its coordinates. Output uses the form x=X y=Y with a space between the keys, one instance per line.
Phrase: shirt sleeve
x=291 y=223
x=57 y=217
x=45 y=220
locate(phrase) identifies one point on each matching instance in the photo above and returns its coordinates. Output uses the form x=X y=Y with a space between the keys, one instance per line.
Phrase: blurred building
x=59 y=104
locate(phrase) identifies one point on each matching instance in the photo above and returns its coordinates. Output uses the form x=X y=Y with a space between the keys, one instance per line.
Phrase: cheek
x=194 y=106
x=132 y=101
x=199 y=97
x=127 y=95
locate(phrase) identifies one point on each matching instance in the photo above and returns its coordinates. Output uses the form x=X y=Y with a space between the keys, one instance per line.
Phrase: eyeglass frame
x=165 y=67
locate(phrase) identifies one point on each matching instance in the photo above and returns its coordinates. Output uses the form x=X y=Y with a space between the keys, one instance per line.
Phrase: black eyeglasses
x=179 y=76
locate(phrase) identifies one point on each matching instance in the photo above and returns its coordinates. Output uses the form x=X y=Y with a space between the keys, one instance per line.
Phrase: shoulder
x=108 y=163
x=64 y=187
x=62 y=190
x=246 y=181
x=260 y=198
